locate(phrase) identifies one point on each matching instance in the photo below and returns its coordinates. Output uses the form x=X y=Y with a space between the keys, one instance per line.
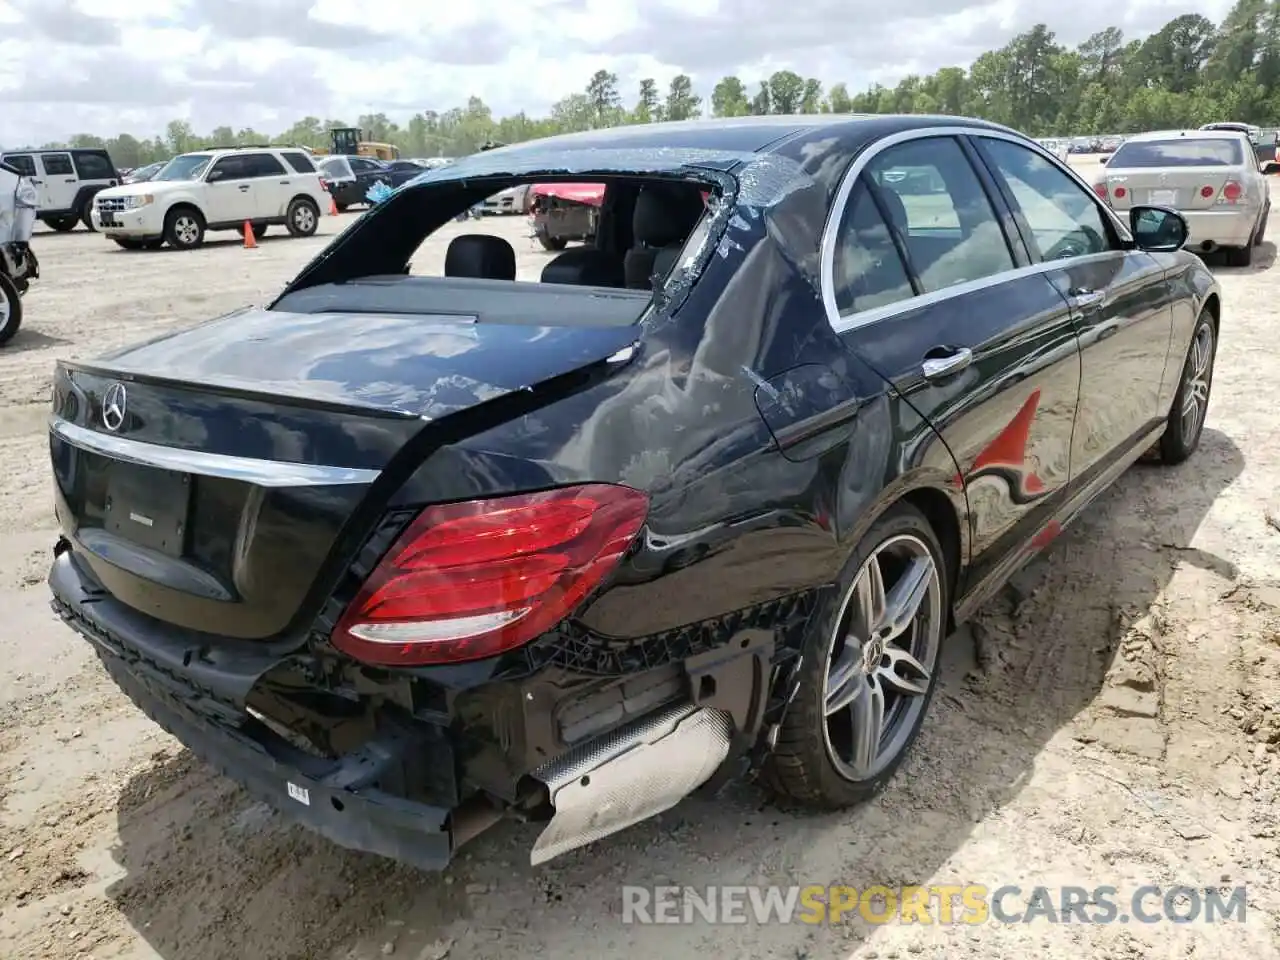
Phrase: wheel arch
x=944 y=505
x=186 y=204
x=941 y=513
x=1213 y=304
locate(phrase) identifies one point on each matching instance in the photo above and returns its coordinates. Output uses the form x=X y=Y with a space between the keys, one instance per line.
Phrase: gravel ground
x=1111 y=719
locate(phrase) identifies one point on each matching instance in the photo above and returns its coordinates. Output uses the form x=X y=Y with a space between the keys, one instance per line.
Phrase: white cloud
x=98 y=66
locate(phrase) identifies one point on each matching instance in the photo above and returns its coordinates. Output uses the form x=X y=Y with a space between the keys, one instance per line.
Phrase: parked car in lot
x=349 y=179
x=408 y=555
x=217 y=189
x=143 y=174
x=1210 y=176
x=66 y=181
x=1263 y=141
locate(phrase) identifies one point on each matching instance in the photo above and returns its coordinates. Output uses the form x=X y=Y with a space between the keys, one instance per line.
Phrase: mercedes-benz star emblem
x=113 y=406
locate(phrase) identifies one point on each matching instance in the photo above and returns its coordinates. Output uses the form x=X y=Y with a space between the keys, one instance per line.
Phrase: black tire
x=1261 y=235
x=86 y=216
x=184 y=228
x=552 y=243
x=1240 y=256
x=259 y=231
x=802 y=766
x=10 y=309
x=129 y=243
x=63 y=224
x=1181 y=436
x=302 y=219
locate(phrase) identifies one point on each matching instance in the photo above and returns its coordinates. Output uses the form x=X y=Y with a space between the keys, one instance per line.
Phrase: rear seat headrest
x=666 y=214
x=481 y=256
x=585 y=266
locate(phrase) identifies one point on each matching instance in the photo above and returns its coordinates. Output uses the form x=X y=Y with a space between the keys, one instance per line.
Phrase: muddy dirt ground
x=1112 y=718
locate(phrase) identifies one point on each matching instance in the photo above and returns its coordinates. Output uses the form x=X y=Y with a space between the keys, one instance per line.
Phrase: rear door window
x=868 y=269
x=1064 y=218
x=943 y=215
x=57 y=164
x=93 y=166
x=263 y=165
x=1179 y=152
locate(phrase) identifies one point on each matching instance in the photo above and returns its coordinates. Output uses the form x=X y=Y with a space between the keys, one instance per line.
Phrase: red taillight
x=1206 y=192
x=471 y=580
x=1120 y=193
x=1232 y=191
x=1101 y=190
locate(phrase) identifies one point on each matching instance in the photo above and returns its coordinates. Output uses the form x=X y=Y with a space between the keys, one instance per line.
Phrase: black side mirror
x=1158 y=229
x=1102 y=161
x=215 y=175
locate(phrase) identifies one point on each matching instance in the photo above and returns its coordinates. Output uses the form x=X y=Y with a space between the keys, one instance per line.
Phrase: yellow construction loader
x=350 y=142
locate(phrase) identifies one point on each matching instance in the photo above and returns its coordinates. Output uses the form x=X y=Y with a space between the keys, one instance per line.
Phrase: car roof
x=733 y=135
x=1194 y=134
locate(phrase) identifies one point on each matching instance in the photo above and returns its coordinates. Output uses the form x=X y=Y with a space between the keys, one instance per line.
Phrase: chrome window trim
x=263 y=473
x=856 y=319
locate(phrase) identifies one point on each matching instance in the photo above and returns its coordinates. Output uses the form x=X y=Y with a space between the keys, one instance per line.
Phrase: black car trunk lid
x=206 y=477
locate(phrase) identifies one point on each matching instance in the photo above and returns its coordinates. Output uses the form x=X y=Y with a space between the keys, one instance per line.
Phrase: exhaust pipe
x=1208 y=246
x=630 y=775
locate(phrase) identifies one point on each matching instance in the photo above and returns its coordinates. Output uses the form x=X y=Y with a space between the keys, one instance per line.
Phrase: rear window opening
x=586 y=250
x=1179 y=152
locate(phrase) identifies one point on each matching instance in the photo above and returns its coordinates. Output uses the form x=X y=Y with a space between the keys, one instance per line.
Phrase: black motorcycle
x=18 y=263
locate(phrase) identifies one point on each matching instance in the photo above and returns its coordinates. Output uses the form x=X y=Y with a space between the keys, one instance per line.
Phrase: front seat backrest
x=481 y=256
x=585 y=267
x=664 y=216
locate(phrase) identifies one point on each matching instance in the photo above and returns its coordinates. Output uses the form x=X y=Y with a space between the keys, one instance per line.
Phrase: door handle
x=941 y=367
x=285 y=183
x=1084 y=298
x=244 y=188
x=69 y=180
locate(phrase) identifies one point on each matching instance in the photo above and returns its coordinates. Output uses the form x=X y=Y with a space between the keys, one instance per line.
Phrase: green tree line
x=1190 y=71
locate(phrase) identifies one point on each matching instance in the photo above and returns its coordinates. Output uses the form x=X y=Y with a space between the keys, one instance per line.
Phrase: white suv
x=219 y=189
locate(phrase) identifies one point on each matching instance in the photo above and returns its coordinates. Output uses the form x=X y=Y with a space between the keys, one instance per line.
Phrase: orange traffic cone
x=333 y=206
x=249 y=242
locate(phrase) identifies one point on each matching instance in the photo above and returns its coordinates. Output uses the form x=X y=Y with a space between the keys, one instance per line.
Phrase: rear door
x=932 y=290
x=59 y=181
x=1120 y=300
x=273 y=185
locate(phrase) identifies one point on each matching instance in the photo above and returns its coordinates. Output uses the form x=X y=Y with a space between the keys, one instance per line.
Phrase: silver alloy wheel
x=186 y=229
x=1196 y=392
x=882 y=655
x=6 y=308
x=303 y=218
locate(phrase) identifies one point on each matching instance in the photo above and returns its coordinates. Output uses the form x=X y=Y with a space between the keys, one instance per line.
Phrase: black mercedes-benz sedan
x=407 y=555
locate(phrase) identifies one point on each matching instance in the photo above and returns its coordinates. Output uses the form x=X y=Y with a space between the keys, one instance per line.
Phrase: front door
x=1120 y=301
x=927 y=294
x=230 y=191
x=60 y=181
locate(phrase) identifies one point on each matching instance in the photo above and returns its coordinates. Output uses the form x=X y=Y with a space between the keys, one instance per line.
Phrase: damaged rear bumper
x=408 y=791
x=340 y=799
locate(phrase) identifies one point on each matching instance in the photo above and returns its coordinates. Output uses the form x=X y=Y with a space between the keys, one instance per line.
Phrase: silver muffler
x=630 y=775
